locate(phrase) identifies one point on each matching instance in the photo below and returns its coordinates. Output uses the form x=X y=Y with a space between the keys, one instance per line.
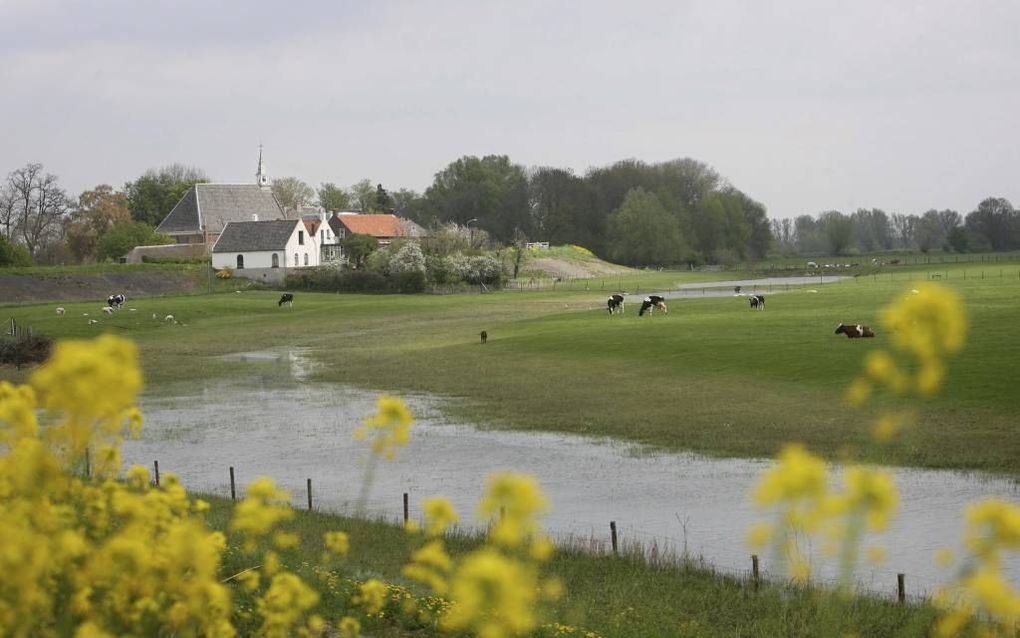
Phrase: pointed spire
x=260 y=174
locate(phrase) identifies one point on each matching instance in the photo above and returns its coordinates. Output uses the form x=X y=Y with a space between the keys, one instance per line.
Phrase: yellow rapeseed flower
x=337 y=542
x=493 y=596
x=797 y=475
x=389 y=429
x=349 y=627
x=439 y=514
x=371 y=596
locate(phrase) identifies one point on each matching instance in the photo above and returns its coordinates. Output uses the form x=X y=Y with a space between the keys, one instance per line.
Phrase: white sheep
x=60 y=312
x=93 y=322
x=108 y=310
x=154 y=316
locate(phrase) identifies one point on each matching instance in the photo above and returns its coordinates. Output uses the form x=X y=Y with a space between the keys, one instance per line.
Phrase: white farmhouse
x=265 y=249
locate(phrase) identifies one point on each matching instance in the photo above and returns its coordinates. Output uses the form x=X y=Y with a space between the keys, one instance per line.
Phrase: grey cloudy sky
x=806 y=105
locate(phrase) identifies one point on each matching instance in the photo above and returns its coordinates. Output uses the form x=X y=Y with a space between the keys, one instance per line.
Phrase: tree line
x=631 y=212
x=994 y=225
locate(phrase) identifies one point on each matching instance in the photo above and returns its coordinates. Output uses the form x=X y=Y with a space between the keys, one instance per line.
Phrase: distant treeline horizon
x=632 y=212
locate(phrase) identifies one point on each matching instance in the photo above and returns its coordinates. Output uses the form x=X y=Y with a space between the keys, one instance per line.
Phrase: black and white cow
x=615 y=303
x=650 y=303
x=856 y=331
x=757 y=302
x=115 y=301
x=286 y=298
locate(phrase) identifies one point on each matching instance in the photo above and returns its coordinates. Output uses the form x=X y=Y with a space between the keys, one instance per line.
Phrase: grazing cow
x=757 y=302
x=615 y=303
x=60 y=312
x=286 y=298
x=169 y=319
x=485 y=337
x=650 y=303
x=116 y=301
x=856 y=331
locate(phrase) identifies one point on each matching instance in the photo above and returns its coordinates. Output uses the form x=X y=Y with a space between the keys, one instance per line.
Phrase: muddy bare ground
x=293 y=430
x=80 y=286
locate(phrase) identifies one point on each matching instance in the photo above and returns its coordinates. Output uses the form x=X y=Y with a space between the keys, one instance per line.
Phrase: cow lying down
x=856 y=331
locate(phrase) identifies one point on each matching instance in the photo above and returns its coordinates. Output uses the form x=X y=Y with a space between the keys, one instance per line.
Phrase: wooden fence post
x=233 y=490
x=612 y=534
x=88 y=464
x=407 y=509
x=755 y=575
x=155 y=465
x=309 y=495
x=901 y=589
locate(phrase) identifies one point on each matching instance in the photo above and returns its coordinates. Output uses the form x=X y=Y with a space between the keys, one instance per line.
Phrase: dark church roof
x=242 y=237
x=213 y=205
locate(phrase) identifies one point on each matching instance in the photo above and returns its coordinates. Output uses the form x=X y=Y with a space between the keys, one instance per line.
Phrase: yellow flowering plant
x=388 y=430
x=925 y=326
x=496 y=590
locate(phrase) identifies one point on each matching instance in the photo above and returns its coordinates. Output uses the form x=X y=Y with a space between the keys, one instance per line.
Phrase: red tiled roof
x=374 y=225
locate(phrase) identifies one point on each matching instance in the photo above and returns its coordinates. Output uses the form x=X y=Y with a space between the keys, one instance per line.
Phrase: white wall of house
x=301 y=251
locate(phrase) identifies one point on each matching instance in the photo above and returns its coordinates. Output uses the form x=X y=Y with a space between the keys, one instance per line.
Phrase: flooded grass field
x=276 y=425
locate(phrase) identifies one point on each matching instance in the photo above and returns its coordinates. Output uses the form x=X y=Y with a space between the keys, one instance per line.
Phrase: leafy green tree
x=333 y=198
x=958 y=239
x=122 y=237
x=292 y=193
x=406 y=203
x=996 y=222
x=490 y=190
x=838 y=229
x=98 y=210
x=152 y=196
x=562 y=209
x=362 y=195
x=642 y=232
x=12 y=254
x=358 y=247
x=381 y=200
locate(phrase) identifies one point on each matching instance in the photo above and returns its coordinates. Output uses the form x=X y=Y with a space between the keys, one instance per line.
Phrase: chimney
x=254 y=217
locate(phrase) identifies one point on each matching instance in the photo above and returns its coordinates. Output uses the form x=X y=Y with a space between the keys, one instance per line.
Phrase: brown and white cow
x=856 y=331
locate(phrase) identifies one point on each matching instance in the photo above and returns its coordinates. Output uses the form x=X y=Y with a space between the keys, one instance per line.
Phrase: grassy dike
x=620 y=596
x=711 y=376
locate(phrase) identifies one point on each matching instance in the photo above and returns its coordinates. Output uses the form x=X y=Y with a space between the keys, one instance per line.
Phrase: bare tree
x=40 y=205
x=8 y=210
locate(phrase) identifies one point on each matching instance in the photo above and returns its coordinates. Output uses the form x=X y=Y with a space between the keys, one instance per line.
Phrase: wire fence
x=595 y=538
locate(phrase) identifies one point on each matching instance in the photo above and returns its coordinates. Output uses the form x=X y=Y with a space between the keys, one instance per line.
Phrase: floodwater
x=677 y=502
x=748 y=286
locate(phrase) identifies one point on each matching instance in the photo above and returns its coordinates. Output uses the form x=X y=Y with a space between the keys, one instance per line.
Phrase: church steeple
x=260 y=174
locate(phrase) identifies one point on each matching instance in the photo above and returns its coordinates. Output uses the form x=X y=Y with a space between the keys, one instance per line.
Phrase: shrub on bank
x=362 y=281
x=21 y=351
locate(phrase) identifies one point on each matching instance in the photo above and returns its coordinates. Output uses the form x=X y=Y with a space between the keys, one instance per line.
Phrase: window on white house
x=295 y=259
x=276 y=260
x=301 y=238
x=306 y=259
x=240 y=262
x=322 y=236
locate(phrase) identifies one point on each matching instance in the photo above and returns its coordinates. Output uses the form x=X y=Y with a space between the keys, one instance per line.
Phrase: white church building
x=266 y=250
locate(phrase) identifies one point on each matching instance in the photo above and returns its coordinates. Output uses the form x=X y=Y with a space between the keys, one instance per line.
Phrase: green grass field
x=711 y=376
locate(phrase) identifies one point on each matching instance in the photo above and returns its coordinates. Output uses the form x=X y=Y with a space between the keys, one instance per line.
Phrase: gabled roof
x=213 y=205
x=377 y=225
x=242 y=237
x=312 y=225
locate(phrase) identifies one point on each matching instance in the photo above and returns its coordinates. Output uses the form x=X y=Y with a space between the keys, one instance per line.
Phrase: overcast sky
x=805 y=105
